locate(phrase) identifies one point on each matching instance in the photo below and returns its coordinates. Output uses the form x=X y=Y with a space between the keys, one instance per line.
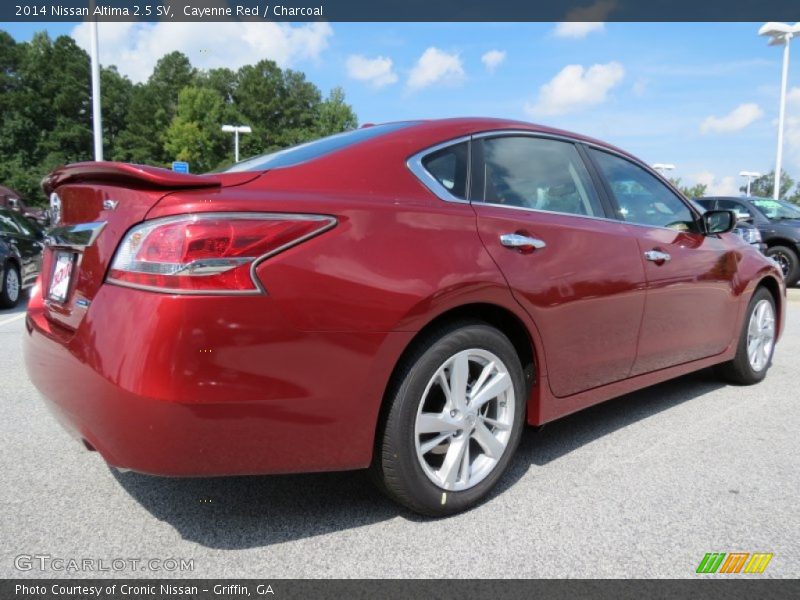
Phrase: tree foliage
x=46 y=113
x=695 y=191
x=763 y=187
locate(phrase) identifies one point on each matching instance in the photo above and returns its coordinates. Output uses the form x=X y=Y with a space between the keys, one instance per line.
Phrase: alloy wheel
x=12 y=284
x=783 y=262
x=464 y=419
x=760 y=335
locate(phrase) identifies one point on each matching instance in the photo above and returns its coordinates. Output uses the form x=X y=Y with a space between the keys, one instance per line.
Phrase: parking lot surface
x=641 y=486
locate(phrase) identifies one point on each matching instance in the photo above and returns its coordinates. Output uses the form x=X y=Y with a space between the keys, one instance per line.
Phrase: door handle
x=657 y=256
x=523 y=243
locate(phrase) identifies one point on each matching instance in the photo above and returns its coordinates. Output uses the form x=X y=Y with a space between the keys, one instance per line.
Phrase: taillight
x=207 y=253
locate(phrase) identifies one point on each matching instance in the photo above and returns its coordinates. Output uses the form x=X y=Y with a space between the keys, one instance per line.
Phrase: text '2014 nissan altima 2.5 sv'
x=402 y=297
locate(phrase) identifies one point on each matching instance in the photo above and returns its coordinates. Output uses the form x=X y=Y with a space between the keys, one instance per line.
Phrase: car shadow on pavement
x=556 y=439
x=248 y=512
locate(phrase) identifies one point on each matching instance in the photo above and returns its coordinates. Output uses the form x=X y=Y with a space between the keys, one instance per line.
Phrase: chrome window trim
x=414 y=164
x=275 y=216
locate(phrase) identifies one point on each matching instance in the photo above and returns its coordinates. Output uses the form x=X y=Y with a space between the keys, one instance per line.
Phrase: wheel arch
x=495 y=315
x=781 y=241
x=774 y=288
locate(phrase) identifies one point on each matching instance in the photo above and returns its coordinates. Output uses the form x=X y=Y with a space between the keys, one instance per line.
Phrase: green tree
x=335 y=114
x=763 y=186
x=695 y=191
x=152 y=107
x=116 y=98
x=46 y=112
x=194 y=134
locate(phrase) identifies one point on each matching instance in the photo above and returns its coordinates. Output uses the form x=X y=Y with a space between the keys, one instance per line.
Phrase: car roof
x=450 y=128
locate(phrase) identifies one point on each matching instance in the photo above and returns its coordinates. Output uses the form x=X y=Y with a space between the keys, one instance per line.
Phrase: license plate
x=59 y=283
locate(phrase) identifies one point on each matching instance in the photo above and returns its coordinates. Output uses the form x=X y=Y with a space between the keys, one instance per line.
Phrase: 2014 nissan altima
x=403 y=297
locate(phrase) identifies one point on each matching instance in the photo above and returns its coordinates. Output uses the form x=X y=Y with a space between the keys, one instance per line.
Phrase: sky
x=701 y=96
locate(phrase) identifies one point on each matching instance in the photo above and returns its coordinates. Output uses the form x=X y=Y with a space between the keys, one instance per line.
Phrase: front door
x=691 y=306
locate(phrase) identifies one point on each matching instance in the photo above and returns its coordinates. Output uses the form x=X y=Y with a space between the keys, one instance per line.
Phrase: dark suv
x=779 y=224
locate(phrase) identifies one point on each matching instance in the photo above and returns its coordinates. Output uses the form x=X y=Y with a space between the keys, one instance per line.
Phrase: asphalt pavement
x=641 y=486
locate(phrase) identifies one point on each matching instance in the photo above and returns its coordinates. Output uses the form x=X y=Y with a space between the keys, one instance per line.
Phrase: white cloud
x=739 y=118
x=493 y=59
x=575 y=88
x=793 y=96
x=577 y=29
x=378 y=71
x=436 y=66
x=136 y=47
x=726 y=186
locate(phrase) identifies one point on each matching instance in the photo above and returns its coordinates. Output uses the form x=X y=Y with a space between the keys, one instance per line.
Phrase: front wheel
x=456 y=414
x=756 y=342
x=788 y=261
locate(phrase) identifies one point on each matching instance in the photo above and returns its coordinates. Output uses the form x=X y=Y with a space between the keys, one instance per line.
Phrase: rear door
x=691 y=306
x=575 y=271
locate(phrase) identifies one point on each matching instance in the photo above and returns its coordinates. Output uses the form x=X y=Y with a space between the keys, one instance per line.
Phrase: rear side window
x=449 y=168
x=536 y=173
x=301 y=153
x=641 y=198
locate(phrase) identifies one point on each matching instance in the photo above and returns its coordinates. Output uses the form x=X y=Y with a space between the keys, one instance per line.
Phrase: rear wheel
x=756 y=342
x=455 y=417
x=788 y=261
x=12 y=286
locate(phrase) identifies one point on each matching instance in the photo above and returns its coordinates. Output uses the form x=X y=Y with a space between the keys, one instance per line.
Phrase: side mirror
x=13 y=203
x=718 y=221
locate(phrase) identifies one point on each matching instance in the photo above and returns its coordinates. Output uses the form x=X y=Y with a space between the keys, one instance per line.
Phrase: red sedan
x=403 y=297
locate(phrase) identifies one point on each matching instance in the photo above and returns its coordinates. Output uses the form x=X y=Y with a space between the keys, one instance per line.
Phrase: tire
x=11 y=289
x=789 y=262
x=409 y=465
x=742 y=370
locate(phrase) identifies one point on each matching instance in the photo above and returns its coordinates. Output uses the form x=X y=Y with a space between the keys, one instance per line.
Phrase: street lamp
x=97 y=119
x=750 y=176
x=780 y=33
x=236 y=130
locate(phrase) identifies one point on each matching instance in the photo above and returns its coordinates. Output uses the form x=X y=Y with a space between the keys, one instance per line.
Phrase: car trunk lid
x=95 y=204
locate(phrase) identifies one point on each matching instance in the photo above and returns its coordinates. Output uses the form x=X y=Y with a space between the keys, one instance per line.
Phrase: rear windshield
x=294 y=155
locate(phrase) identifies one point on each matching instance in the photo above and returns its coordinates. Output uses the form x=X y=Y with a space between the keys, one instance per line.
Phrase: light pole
x=750 y=176
x=97 y=119
x=780 y=33
x=236 y=130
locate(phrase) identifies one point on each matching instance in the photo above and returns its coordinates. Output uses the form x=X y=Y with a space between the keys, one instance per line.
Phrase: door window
x=741 y=210
x=536 y=173
x=641 y=198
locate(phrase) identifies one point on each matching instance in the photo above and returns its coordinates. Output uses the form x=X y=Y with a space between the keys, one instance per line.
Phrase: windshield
x=776 y=209
x=294 y=155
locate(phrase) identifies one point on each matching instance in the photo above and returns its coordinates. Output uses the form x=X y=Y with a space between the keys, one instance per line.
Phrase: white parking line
x=11 y=319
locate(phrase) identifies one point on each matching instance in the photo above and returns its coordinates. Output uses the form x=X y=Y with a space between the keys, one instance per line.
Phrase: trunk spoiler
x=126 y=174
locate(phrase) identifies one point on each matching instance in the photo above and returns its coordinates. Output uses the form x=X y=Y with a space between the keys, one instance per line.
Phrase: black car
x=21 y=243
x=779 y=224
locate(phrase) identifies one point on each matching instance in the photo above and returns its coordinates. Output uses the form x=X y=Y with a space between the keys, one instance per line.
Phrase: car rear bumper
x=192 y=386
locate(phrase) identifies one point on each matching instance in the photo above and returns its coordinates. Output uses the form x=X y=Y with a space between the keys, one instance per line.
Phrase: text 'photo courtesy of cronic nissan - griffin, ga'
x=402 y=298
